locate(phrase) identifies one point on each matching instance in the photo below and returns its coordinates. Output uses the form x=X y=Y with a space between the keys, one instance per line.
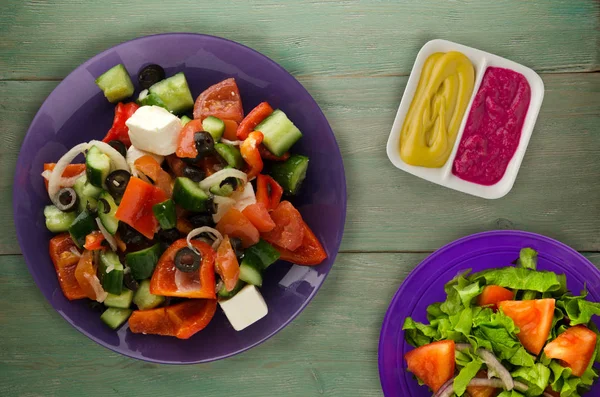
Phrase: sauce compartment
x=444 y=176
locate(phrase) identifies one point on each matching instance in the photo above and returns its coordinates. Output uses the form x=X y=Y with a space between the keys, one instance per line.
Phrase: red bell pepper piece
x=186 y=146
x=259 y=216
x=267 y=155
x=119 y=130
x=93 y=241
x=63 y=251
x=181 y=320
x=85 y=273
x=235 y=224
x=250 y=154
x=164 y=281
x=135 y=208
x=309 y=253
x=268 y=191
x=226 y=264
x=254 y=118
x=70 y=171
x=148 y=166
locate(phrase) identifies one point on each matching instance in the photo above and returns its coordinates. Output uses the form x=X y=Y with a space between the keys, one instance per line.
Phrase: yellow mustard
x=437 y=109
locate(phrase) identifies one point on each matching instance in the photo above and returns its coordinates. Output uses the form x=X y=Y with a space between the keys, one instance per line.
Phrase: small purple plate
x=76 y=111
x=425 y=285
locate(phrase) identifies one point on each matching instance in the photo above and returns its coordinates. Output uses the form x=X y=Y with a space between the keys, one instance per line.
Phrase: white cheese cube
x=154 y=129
x=245 y=308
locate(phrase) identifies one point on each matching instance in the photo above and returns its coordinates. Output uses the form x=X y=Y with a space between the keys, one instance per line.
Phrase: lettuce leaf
x=536 y=377
x=512 y=393
x=528 y=258
x=522 y=279
x=578 y=309
x=468 y=372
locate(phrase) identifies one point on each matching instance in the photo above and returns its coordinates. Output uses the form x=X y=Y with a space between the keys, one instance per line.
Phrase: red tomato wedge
x=432 y=363
x=119 y=131
x=494 y=294
x=289 y=229
x=181 y=320
x=221 y=100
x=310 y=253
x=168 y=281
x=148 y=166
x=481 y=391
x=251 y=155
x=534 y=319
x=230 y=130
x=574 y=348
x=235 y=224
x=70 y=171
x=267 y=155
x=186 y=146
x=226 y=264
x=259 y=216
x=254 y=118
x=268 y=191
x=135 y=208
x=85 y=273
x=93 y=241
x=63 y=251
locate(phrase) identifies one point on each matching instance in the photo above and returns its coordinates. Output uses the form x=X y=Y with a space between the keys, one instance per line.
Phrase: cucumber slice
x=185 y=119
x=144 y=299
x=188 y=195
x=110 y=271
x=290 y=173
x=58 y=221
x=116 y=84
x=174 y=93
x=230 y=154
x=107 y=212
x=264 y=252
x=250 y=270
x=142 y=262
x=97 y=166
x=165 y=214
x=114 y=317
x=122 y=301
x=279 y=132
x=214 y=126
x=87 y=194
x=225 y=190
x=223 y=293
x=83 y=225
x=90 y=190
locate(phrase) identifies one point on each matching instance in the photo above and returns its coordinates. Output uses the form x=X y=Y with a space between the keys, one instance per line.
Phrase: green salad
x=508 y=332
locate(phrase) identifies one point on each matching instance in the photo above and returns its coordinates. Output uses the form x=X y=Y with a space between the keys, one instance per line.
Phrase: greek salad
x=172 y=215
x=507 y=332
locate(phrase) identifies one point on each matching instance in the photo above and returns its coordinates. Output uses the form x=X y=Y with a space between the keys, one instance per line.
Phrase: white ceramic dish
x=444 y=176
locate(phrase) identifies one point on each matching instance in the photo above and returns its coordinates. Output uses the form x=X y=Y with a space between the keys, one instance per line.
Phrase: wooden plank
x=47 y=39
x=556 y=192
x=44 y=356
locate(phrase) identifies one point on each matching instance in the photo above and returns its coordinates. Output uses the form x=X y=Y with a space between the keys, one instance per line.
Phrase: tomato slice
x=534 y=319
x=289 y=230
x=181 y=320
x=268 y=191
x=93 y=241
x=165 y=277
x=119 y=130
x=70 y=171
x=230 y=130
x=148 y=166
x=235 y=224
x=135 y=208
x=481 y=391
x=63 y=251
x=432 y=363
x=574 y=348
x=256 y=115
x=226 y=264
x=85 y=273
x=310 y=253
x=259 y=216
x=186 y=146
x=494 y=294
x=251 y=155
x=221 y=100
x=267 y=155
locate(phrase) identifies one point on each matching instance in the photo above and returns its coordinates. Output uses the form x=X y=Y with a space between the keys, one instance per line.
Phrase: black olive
x=236 y=244
x=205 y=144
x=194 y=173
x=129 y=235
x=66 y=199
x=96 y=306
x=199 y=220
x=150 y=75
x=105 y=206
x=130 y=282
x=229 y=181
x=116 y=182
x=168 y=236
x=187 y=260
x=119 y=147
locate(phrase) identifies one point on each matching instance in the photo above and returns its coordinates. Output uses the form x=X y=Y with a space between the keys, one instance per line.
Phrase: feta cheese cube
x=154 y=129
x=245 y=308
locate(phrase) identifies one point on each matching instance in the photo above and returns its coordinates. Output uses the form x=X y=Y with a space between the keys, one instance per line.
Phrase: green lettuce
x=522 y=279
x=528 y=258
x=536 y=377
x=578 y=309
x=468 y=372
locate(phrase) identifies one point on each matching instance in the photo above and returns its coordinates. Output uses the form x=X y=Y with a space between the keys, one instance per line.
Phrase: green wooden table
x=354 y=58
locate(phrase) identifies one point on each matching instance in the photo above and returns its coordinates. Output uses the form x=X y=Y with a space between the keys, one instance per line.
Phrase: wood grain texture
x=555 y=194
x=47 y=39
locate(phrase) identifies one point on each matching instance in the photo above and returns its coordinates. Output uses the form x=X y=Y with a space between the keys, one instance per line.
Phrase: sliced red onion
x=118 y=161
x=64 y=181
x=224 y=204
x=95 y=284
x=244 y=198
x=496 y=383
x=75 y=252
x=219 y=176
x=111 y=240
x=233 y=143
x=446 y=390
x=55 y=179
x=204 y=229
x=495 y=367
x=463 y=346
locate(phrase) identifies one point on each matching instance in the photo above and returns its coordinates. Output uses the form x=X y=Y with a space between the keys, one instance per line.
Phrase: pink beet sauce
x=493 y=129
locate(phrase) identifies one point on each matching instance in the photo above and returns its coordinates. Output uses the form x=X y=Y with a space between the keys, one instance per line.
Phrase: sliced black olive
x=205 y=144
x=168 y=236
x=199 y=220
x=116 y=182
x=119 y=147
x=130 y=236
x=236 y=244
x=194 y=173
x=130 y=282
x=187 y=260
x=105 y=206
x=229 y=181
x=66 y=199
x=150 y=75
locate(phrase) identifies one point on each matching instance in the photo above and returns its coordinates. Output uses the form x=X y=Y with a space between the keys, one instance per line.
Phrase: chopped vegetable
x=250 y=154
x=165 y=214
x=116 y=84
x=85 y=273
x=119 y=131
x=226 y=265
x=93 y=241
x=574 y=348
x=289 y=230
x=58 y=221
x=135 y=208
x=143 y=262
x=259 y=216
x=534 y=319
x=268 y=192
x=432 y=363
x=252 y=119
x=221 y=100
x=235 y=224
x=310 y=252
x=494 y=294
x=280 y=134
x=65 y=257
x=291 y=173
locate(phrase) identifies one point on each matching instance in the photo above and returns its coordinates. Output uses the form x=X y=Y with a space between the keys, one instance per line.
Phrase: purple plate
x=76 y=111
x=425 y=285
